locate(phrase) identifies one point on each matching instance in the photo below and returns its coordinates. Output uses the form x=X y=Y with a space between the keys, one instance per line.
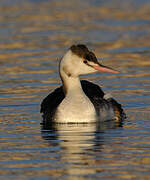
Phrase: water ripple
x=34 y=36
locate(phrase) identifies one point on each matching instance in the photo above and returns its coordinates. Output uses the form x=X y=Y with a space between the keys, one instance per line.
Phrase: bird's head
x=79 y=60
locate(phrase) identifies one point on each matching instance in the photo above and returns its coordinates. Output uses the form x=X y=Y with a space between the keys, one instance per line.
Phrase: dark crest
x=82 y=51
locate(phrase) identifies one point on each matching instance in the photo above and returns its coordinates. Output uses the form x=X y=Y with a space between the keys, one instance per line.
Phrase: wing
x=51 y=102
x=102 y=105
x=91 y=90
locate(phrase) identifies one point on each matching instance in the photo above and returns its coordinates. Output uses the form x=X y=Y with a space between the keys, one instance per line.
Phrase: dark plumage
x=82 y=51
x=51 y=102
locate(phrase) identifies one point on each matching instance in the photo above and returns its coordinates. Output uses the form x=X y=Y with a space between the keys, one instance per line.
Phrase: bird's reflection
x=76 y=141
x=71 y=134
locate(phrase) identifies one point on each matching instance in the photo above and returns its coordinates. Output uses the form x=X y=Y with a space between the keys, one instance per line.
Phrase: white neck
x=76 y=106
x=71 y=84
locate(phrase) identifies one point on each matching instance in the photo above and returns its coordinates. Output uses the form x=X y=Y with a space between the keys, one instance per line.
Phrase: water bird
x=80 y=101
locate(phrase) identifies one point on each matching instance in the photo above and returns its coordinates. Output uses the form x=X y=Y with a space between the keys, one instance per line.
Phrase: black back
x=92 y=91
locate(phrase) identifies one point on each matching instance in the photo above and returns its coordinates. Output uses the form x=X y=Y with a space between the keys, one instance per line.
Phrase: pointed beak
x=103 y=68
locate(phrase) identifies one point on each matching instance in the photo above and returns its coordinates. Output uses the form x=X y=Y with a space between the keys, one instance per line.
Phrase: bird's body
x=75 y=101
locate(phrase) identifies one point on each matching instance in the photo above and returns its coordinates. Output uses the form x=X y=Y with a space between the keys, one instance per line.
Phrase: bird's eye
x=85 y=61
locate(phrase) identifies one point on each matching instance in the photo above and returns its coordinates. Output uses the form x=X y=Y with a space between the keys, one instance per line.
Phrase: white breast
x=75 y=108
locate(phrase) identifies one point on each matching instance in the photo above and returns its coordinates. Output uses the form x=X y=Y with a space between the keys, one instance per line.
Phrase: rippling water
x=33 y=37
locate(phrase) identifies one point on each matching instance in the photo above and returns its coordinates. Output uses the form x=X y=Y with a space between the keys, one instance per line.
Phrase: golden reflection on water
x=34 y=37
x=77 y=142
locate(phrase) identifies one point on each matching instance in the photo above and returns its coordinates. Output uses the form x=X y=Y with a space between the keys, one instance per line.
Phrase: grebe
x=80 y=101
